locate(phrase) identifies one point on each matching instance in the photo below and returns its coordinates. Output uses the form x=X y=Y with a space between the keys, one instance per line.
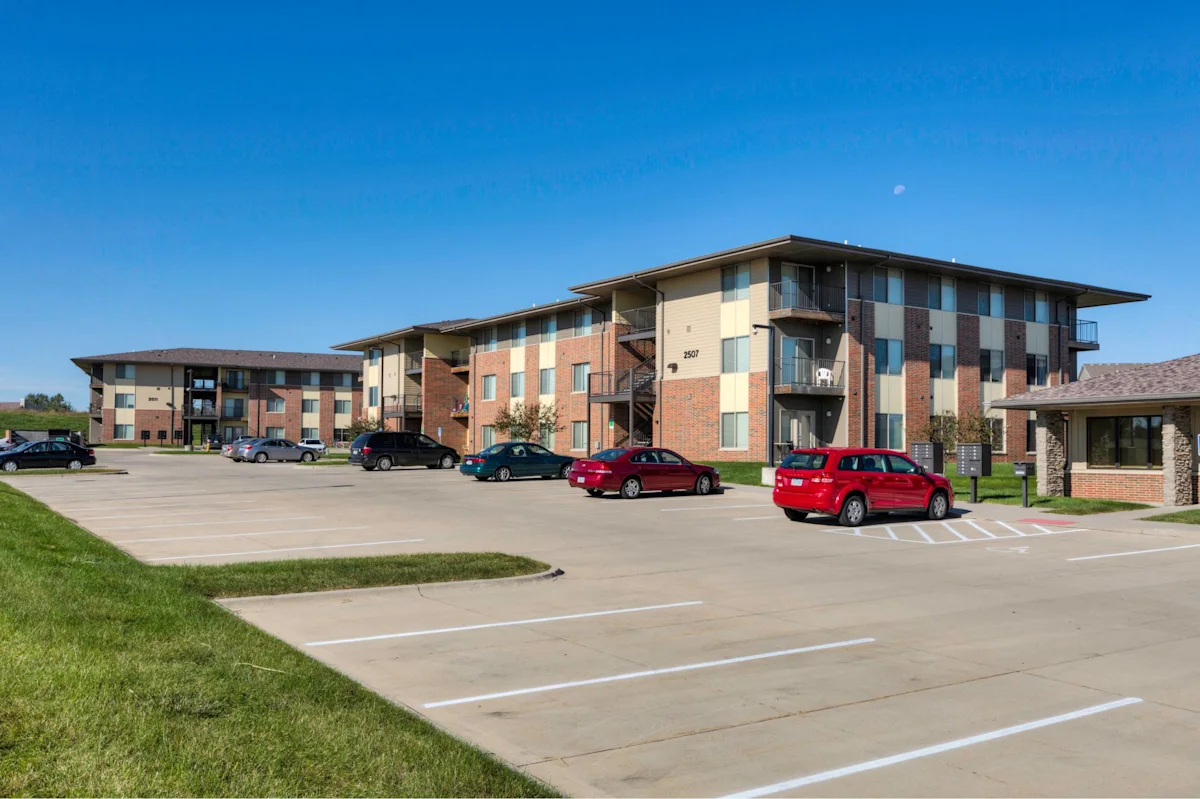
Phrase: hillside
x=33 y=420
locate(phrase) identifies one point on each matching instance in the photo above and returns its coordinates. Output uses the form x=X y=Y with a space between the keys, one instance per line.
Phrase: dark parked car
x=46 y=455
x=632 y=471
x=515 y=459
x=382 y=451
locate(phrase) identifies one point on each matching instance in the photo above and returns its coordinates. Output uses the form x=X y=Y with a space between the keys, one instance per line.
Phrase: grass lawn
x=744 y=473
x=120 y=678
x=1005 y=489
x=1179 y=517
x=77 y=472
x=37 y=420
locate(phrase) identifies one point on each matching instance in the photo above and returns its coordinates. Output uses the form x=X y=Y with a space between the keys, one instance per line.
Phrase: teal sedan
x=503 y=462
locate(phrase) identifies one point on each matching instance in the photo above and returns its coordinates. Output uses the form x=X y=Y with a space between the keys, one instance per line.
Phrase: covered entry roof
x=1166 y=382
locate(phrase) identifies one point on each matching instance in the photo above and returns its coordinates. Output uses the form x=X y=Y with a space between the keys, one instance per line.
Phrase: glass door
x=796 y=363
x=796 y=429
x=798 y=286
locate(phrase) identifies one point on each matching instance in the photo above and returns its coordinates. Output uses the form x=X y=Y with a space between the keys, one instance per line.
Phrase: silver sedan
x=273 y=449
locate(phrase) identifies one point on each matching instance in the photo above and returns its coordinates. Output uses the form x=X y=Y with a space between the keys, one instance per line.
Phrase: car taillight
x=366 y=450
x=603 y=467
x=822 y=478
x=91 y=453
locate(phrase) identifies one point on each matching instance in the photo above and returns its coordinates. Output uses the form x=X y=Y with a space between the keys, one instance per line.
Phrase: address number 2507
x=691 y=354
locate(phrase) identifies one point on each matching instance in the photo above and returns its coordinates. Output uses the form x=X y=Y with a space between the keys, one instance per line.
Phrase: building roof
x=411 y=330
x=1092 y=370
x=533 y=310
x=816 y=251
x=241 y=359
x=1169 y=381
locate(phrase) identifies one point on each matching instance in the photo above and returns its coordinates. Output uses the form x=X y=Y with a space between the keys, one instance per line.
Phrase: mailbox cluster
x=974 y=460
x=928 y=455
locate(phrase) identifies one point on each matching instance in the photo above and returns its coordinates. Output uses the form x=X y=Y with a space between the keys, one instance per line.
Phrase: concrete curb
x=80 y=473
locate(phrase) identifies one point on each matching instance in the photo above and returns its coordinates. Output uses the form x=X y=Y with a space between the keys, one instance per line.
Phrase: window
x=126 y=371
x=373 y=397
x=517 y=385
x=488 y=342
x=548 y=437
x=275 y=405
x=941 y=361
x=735 y=354
x=889 y=431
x=735 y=430
x=1037 y=306
x=489 y=387
x=549 y=328
x=235 y=380
x=941 y=293
x=310 y=432
x=341 y=406
x=579 y=435
x=861 y=463
x=310 y=378
x=991 y=300
x=425 y=441
x=341 y=434
x=735 y=283
x=808 y=461
x=375 y=356
x=276 y=377
x=124 y=400
x=991 y=366
x=583 y=322
x=1036 y=370
x=233 y=409
x=669 y=457
x=546 y=381
x=344 y=379
x=889 y=286
x=889 y=356
x=1125 y=442
x=123 y=432
x=274 y=432
x=899 y=465
x=997 y=428
x=1031 y=434
x=518 y=334
x=579 y=376
x=310 y=406
x=487 y=436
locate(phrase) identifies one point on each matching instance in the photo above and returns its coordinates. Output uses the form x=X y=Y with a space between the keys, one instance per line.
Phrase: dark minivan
x=382 y=451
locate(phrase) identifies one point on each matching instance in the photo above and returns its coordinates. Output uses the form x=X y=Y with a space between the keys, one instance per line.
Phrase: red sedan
x=632 y=471
x=850 y=483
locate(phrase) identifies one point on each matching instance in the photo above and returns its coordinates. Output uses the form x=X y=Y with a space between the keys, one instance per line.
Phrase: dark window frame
x=1116 y=438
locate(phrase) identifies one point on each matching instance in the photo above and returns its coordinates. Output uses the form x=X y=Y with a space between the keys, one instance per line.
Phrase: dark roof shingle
x=1168 y=381
x=243 y=359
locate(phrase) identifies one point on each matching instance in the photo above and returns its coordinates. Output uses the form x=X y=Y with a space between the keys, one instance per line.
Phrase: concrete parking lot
x=707 y=646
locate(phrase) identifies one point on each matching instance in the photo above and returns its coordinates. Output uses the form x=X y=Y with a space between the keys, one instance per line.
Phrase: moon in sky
x=899 y=189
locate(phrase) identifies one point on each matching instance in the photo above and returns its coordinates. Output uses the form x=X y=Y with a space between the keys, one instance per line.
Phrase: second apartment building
x=745 y=353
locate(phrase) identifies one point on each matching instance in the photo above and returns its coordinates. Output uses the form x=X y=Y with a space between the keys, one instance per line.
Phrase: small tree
x=363 y=425
x=942 y=428
x=975 y=428
x=522 y=422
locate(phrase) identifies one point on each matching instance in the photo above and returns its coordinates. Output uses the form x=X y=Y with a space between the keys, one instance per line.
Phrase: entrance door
x=798 y=285
x=796 y=429
x=796 y=364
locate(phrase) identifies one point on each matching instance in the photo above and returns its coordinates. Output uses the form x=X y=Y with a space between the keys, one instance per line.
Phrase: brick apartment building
x=186 y=395
x=742 y=354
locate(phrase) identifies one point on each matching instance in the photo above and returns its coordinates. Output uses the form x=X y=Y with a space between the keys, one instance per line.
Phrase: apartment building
x=746 y=353
x=185 y=395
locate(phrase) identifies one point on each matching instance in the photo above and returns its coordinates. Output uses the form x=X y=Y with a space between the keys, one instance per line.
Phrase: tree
x=364 y=425
x=42 y=402
x=941 y=429
x=523 y=422
x=975 y=428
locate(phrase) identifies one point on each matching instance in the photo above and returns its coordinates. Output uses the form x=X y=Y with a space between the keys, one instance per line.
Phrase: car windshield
x=495 y=449
x=609 y=454
x=805 y=460
x=22 y=447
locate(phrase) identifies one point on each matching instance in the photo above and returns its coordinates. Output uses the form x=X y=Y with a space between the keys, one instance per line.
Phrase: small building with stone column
x=1128 y=435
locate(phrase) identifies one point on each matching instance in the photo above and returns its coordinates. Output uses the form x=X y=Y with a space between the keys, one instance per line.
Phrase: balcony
x=412 y=364
x=810 y=376
x=1083 y=335
x=642 y=323
x=461 y=410
x=625 y=385
x=807 y=301
x=97 y=380
x=399 y=406
x=96 y=409
x=235 y=386
x=204 y=384
x=233 y=411
x=460 y=361
x=201 y=410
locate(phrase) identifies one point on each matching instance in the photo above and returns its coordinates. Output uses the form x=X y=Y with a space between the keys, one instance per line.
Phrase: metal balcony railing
x=204 y=384
x=460 y=358
x=408 y=403
x=1084 y=332
x=97 y=380
x=818 y=372
x=236 y=385
x=199 y=409
x=807 y=297
x=639 y=320
x=412 y=362
x=640 y=379
x=96 y=408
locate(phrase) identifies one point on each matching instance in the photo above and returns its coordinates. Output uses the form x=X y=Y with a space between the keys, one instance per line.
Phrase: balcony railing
x=641 y=380
x=204 y=384
x=408 y=403
x=810 y=373
x=97 y=380
x=237 y=385
x=639 y=320
x=461 y=409
x=412 y=363
x=199 y=409
x=460 y=358
x=1084 y=332
x=789 y=296
x=96 y=408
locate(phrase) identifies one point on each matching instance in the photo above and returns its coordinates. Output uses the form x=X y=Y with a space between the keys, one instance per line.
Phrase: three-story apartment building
x=185 y=395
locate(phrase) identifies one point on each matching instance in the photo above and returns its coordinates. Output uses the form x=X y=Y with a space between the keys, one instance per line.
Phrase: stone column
x=1177 y=455
x=1051 y=454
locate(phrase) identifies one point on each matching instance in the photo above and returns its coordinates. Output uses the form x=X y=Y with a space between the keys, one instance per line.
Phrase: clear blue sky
x=288 y=176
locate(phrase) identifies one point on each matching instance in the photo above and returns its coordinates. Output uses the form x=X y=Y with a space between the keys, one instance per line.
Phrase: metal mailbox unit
x=1025 y=470
x=929 y=455
x=974 y=461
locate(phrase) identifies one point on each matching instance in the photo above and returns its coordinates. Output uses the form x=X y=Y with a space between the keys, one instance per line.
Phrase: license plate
x=797 y=481
x=579 y=479
x=353 y=452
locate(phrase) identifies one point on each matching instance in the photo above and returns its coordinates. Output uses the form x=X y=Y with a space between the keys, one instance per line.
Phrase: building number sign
x=691 y=354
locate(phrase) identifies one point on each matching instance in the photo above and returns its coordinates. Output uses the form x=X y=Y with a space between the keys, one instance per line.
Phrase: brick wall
x=759 y=415
x=860 y=356
x=325 y=425
x=691 y=421
x=152 y=421
x=917 y=402
x=1131 y=486
x=484 y=413
x=440 y=390
x=970 y=399
x=572 y=406
x=1014 y=384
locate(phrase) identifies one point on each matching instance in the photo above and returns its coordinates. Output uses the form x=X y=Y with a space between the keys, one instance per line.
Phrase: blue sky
x=297 y=175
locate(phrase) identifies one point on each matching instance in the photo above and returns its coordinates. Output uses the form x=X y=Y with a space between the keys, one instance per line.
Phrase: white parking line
x=174 y=513
x=236 y=535
x=170 y=505
x=286 y=549
x=925 y=535
x=501 y=624
x=653 y=672
x=977 y=527
x=202 y=524
x=937 y=749
x=710 y=507
x=1010 y=527
x=953 y=532
x=1137 y=552
x=892 y=533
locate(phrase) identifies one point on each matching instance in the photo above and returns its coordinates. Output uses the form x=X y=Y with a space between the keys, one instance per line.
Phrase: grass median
x=1004 y=488
x=60 y=472
x=1178 y=517
x=120 y=678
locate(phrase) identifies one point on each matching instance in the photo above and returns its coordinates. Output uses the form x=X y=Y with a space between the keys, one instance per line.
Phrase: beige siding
x=440 y=345
x=945 y=395
x=991 y=333
x=690 y=317
x=1037 y=338
x=759 y=285
x=889 y=321
x=943 y=327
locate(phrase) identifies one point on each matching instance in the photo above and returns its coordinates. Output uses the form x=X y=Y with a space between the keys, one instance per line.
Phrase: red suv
x=850 y=483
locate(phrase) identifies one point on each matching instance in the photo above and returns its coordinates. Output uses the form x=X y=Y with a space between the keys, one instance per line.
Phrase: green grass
x=1003 y=488
x=1179 y=517
x=84 y=471
x=744 y=473
x=122 y=679
x=37 y=420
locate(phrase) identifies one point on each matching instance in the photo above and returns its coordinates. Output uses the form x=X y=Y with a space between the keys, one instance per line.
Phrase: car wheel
x=854 y=510
x=703 y=485
x=260 y=457
x=10 y=466
x=939 y=506
x=503 y=474
x=384 y=464
x=447 y=462
x=795 y=515
x=565 y=472
x=75 y=465
x=595 y=492
x=631 y=488
x=306 y=457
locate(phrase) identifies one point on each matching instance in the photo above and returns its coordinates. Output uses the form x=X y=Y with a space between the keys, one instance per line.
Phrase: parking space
x=709 y=646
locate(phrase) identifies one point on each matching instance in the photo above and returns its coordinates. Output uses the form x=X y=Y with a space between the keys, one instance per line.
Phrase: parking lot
x=709 y=647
